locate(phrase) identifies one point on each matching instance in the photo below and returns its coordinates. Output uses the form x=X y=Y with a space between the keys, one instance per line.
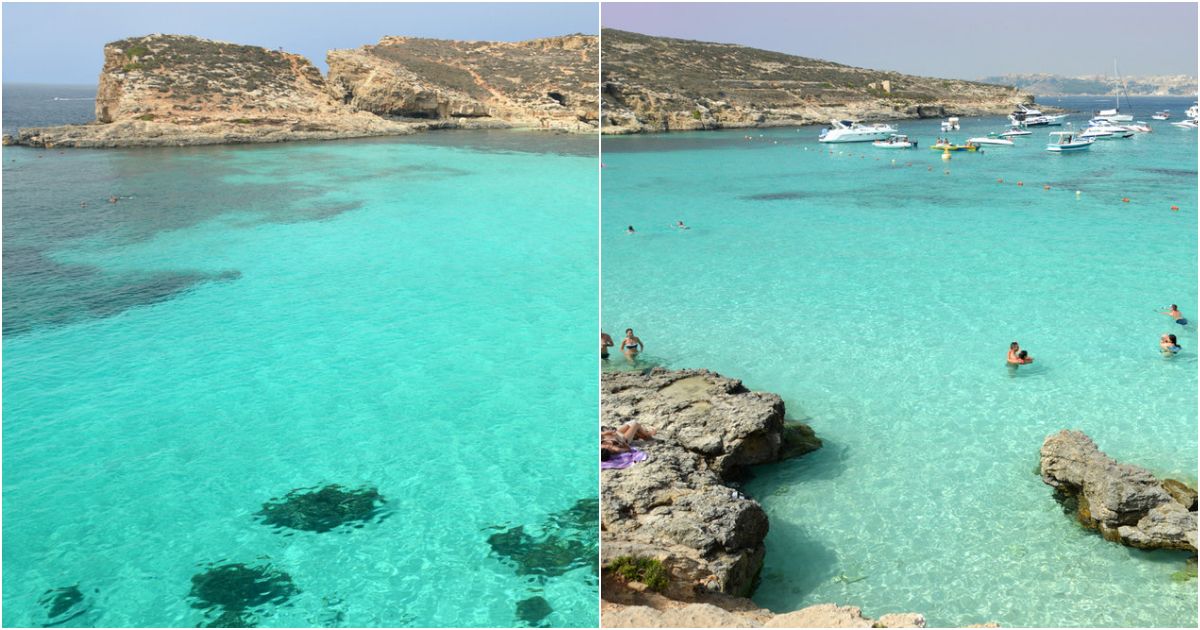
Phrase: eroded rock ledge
x=676 y=508
x=1125 y=502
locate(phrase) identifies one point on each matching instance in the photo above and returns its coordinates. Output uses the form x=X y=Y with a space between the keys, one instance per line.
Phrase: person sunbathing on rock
x=615 y=442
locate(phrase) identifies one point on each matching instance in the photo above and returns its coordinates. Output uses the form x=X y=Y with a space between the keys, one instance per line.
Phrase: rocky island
x=680 y=546
x=178 y=90
x=653 y=84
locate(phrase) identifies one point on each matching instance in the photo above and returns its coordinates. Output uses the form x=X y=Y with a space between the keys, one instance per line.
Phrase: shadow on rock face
x=322 y=510
x=62 y=605
x=531 y=612
x=236 y=590
x=566 y=541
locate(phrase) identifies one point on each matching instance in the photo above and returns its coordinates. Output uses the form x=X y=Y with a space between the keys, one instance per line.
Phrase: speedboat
x=1067 y=141
x=950 y=124
x=1015 y=131
x=896 y=141
x=1194 y=111
x=1187 y=123
x=991 y=139
x=1163 y=115
x=1113 y=115
x=1102 y=129
x=847 y=131
x=1139 y=126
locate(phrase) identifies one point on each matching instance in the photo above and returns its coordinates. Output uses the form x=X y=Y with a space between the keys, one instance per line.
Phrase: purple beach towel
x=624 y=460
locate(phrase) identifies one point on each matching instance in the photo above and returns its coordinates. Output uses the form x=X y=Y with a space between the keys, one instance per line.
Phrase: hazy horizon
x=959 y=40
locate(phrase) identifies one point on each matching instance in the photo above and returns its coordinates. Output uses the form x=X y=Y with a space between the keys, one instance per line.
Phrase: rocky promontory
x=1125 y=502
x=653 y=84
x=176 y=90
x=677 y=512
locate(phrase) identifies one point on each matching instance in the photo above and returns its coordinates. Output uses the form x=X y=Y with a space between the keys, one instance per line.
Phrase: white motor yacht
x=847 y=131
x=1102 y=129
x=1163 y=115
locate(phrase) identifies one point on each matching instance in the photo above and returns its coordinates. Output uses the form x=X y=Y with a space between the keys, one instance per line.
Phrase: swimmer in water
x=606 y=342
x=680 y=225
x=630 y=230
x=1175 y=315
x=1024 y=357
x=1013 y=354
x=1169 y=344
x=631 y=345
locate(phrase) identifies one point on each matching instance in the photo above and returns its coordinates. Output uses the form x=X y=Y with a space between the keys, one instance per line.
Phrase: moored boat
x=1163 y=115
x=1015 y=131
x=950 y=124
x=946 y=145
x=991 y=139
x=895 y=141
x=849 y=131
x=1067 y=141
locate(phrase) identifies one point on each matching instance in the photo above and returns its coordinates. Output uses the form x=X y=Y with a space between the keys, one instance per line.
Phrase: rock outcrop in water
x=177 y=90
x=652 y=84
x=1126 y=503
x=675 y=505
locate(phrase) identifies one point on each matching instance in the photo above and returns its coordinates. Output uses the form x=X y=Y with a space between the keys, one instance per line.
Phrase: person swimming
x=606 y=342
x=1169 y=344
x=630 y=230
x=631 y=346
x=681 y=226
x=1175 y=315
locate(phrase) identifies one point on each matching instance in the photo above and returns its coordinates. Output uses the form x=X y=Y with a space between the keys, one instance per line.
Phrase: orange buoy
x=909 y=164
x=1125 y=200
x=999 y=180
x=929 y=169
x=1174 y=207
x=947 y=172
x=1020 y=183
x=1046 y=187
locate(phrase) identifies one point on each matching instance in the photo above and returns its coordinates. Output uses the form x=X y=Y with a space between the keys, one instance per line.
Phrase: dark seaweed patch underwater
x=567 y=540
x=62 y=605
x=236 y=590
x=328 y=508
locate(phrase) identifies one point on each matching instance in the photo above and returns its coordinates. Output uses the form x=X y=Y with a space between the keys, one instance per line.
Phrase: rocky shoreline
x=678 y=508
x=177 y=90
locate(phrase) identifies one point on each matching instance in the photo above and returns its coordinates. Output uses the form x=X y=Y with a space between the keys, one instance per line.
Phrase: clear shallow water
x=398 y=314
x=879 y=300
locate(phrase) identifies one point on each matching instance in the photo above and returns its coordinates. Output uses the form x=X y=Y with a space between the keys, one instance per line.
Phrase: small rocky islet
x=180 y=90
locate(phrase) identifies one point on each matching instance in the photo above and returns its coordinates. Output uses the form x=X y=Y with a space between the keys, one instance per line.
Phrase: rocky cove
x=178 y=90
x=681 y=507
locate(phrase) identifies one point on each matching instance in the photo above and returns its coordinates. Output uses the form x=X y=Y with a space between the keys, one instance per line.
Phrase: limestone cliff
x=167 y=90
x=652 y=84
x=547 y=83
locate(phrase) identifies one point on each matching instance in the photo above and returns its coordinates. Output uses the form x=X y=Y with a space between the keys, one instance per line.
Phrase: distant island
x=179 y=90
x=1098 y=85
x=653 y=84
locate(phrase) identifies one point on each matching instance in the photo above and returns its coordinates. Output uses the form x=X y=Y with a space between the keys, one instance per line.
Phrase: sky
x=63 y=42
x=953 y=40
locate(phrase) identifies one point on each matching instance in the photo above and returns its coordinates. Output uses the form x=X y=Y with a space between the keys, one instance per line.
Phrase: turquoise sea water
x=879 y=300
x=403 y=314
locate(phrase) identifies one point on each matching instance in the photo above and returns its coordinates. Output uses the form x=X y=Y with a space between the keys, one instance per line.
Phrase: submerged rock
x=532 y=611
x=323 y=510
x=62 y=605
x=1125 y=503
x=236 y=589
x=565 y=542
